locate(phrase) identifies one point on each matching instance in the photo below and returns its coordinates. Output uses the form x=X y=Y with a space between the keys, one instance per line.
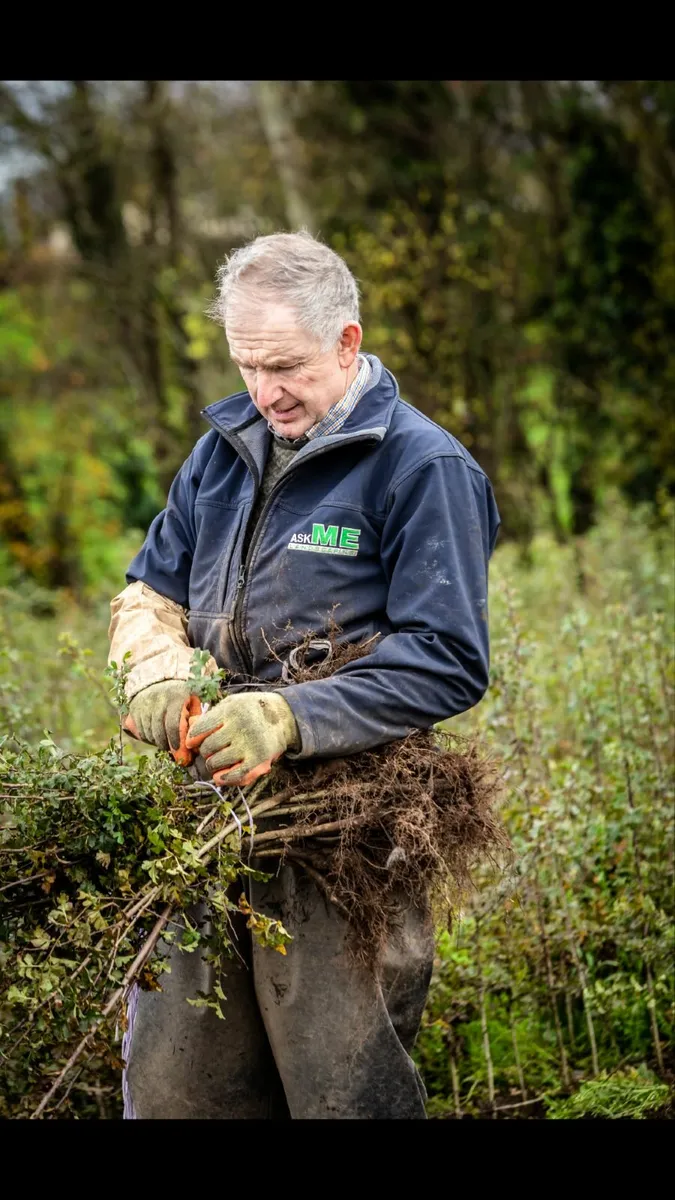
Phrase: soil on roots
x=407 y=821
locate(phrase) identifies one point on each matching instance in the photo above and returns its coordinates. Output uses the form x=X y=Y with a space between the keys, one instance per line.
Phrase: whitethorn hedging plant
x=96 y=854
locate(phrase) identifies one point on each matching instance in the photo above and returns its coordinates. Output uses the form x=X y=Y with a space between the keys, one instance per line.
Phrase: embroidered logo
x=328 y=539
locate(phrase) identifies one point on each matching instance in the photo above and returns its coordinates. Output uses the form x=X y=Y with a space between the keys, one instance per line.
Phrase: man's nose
x=268 y=389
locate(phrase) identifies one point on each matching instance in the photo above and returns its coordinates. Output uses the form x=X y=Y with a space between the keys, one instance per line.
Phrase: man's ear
x=350 y=341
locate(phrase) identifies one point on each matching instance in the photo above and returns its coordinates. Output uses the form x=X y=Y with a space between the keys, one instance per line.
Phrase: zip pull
x=242 y=578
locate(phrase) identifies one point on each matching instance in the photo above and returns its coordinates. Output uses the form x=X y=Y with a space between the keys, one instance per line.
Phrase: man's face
x=291 y=380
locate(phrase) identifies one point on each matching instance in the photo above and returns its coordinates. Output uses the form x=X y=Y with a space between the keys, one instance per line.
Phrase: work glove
x=242 y=735
x=160 y=713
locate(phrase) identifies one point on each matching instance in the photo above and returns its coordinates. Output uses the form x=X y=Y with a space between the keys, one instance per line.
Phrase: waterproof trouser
x=307 y=1035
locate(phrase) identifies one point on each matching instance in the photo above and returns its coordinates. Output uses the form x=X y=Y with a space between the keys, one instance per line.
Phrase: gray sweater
x=280 y=454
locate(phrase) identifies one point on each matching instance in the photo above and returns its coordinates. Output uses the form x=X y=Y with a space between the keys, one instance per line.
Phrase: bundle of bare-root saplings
x=99 y=853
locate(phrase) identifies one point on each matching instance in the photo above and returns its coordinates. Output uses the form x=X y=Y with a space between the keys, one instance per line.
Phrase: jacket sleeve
x=437 y=539
x=165 y=558
x=149 y=616
x=154 y=629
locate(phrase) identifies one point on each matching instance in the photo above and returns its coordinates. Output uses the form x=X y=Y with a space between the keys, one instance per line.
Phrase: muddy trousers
x=307 y=1035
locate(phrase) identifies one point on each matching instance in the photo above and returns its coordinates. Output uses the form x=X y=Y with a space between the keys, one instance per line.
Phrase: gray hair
x=298 y=269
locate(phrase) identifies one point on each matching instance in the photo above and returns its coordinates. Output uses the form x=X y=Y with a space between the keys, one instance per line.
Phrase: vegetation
x=559 y=972
x=99 y=858
x=565 y=969
x=515 y=244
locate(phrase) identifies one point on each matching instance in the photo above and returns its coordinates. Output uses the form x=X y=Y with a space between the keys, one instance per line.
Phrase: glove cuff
x=289 y=724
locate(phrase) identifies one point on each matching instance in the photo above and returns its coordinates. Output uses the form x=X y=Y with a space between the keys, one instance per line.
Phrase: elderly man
x=318 y=495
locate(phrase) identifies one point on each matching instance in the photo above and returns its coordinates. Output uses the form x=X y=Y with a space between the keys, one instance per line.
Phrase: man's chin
x=291 y=429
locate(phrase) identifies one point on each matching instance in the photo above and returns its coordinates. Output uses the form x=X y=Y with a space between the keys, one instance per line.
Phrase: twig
x=207 y=820
x=28 y=795
x=138 y=911
x=139 y=904
x=520 y=1104
x=485 y=1033
x=293 y=832
x=227 y=829
x=292 y=809
x=143 y=955
x=150 y=942
x=17 y=882
x=69 y=1089
x=250 y=822
x=140 y=959
x=455 y=1085
x=298 y=800
x=320 y=882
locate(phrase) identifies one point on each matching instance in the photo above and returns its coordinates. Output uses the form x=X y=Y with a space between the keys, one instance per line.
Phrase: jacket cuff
x=169 y=664
x=308 y=741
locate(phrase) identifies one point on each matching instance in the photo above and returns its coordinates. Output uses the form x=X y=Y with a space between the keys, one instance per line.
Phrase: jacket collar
x=237 y=414
x=237 y=419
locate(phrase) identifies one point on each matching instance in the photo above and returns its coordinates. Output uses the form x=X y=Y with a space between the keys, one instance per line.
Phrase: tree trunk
x=286 y=150
x=164 y=170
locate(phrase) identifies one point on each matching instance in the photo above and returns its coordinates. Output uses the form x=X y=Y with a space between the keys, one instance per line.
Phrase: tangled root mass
x=413 y=817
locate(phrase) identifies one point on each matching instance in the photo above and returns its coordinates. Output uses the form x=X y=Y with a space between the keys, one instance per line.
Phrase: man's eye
x=271 y=370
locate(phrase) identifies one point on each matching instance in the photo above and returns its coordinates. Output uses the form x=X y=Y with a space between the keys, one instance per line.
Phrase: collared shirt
x=338 y=413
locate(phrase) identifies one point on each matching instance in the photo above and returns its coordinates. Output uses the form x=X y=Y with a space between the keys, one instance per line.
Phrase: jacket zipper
x=243 y=453
x=243 y=656
x=239 y=636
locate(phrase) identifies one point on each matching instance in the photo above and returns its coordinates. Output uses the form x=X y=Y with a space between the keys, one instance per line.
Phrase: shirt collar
x=337 y=414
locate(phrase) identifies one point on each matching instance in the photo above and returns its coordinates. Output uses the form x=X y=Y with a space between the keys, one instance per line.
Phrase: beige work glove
x=241 y=736
x=156 y=713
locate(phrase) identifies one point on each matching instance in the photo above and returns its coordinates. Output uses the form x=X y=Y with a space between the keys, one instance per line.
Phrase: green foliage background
x=515 y=246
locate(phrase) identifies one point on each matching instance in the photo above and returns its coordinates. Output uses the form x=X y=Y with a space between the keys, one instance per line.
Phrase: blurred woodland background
x=515 y=247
